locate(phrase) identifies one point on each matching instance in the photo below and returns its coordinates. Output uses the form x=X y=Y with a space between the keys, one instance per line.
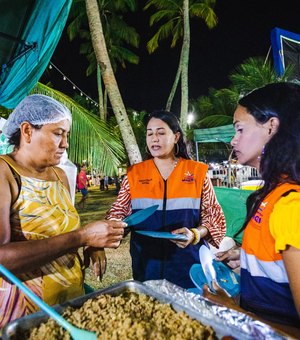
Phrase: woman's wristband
x=197 y=236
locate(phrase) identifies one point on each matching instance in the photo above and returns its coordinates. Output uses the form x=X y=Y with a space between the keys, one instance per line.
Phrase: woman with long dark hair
x=267 y=136
x=186 y=199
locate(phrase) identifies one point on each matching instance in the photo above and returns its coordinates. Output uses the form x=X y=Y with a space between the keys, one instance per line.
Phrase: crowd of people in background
x=93 y=179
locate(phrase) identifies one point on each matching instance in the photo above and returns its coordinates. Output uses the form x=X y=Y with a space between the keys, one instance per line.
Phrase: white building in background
x=231 y=175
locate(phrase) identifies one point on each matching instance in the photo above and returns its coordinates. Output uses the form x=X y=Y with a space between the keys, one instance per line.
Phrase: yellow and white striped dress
x=43 y=209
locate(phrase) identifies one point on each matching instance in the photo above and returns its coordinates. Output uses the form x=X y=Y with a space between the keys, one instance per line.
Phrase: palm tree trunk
x=105 y=100
x=185 y=66
x=100 y=94
x=174 y=88
x=110 y=82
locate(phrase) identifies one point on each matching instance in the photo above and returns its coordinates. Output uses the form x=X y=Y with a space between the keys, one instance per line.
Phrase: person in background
x=102 y=183
x=117 y=182
x=40 y=230
x=187 y=204
x=82 y=185
x=106 y=182
x=267 y=137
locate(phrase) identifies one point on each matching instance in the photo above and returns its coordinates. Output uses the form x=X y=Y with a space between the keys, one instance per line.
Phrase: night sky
x=243 y=31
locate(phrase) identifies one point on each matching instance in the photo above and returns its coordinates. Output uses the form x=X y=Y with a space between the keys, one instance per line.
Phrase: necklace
x=166 y=169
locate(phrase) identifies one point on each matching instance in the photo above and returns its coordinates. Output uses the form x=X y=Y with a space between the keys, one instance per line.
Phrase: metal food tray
x=195 y=306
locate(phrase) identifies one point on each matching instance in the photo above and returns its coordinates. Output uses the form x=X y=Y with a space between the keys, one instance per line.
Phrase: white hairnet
x=36 y=109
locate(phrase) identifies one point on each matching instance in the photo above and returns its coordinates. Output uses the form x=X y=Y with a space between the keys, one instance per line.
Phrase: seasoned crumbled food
x=127 y=316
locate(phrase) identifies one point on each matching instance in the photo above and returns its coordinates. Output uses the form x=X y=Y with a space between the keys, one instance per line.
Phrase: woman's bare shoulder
x=62 y=175
x=4 y=168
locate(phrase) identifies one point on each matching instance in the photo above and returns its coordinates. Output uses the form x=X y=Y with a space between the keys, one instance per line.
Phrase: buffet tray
x=224 y=321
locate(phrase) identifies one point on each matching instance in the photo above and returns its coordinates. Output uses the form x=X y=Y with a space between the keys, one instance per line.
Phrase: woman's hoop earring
x=177 y=149
x=147 y=150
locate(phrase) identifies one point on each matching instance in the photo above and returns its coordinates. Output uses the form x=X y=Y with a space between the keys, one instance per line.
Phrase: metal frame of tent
x=285 y=48
x=222 y=134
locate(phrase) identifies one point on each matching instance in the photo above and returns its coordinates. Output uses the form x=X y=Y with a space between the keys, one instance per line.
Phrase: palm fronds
x=90 y=138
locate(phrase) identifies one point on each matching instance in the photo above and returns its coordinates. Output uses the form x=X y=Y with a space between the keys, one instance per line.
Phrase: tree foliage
x=118 y=35
x=256 y=72
x=173 y=18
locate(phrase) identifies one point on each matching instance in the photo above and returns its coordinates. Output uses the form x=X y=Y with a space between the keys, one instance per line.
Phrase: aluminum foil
x=223 y=319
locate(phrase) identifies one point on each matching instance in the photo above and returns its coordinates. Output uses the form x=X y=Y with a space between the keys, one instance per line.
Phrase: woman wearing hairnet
x=39 y=227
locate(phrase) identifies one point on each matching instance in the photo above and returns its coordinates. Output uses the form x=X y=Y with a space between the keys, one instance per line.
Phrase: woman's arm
x=291 y=259
x=212 y=215
x=285 y=228
x=23 y=256
x=122 y=206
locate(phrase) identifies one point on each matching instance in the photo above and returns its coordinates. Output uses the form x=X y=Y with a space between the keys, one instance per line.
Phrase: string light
x=75 y=87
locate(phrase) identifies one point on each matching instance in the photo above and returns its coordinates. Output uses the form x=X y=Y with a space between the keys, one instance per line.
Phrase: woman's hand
x=98 y=258
x=231 y=257
x=220 y=297
x=126 y=230
x=103 y=234
x=184 y=231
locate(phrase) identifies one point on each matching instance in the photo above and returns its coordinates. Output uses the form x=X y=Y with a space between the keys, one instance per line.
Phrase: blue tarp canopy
x=29 y=33
x=286 y=51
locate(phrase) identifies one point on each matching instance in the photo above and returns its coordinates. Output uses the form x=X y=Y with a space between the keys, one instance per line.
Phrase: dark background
x=243 y=31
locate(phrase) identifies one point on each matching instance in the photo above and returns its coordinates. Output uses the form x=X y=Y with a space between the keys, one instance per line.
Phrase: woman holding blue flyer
x=188 y=210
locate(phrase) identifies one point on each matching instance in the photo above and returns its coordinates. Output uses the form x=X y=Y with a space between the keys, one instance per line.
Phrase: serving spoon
x=76 y=333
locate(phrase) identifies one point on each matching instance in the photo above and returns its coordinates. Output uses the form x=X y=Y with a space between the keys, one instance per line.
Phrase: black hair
x=16 y=136
x=172 y=121
x=280 y=161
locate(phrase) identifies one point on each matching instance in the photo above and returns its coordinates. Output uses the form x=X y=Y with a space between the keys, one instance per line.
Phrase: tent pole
x=197 y=153
x=229 y=169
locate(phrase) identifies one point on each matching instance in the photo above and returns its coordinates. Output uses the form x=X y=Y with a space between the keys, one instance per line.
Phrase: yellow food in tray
x=126 y=316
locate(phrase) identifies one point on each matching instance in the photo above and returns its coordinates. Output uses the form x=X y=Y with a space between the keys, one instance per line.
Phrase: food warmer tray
x=224 y=321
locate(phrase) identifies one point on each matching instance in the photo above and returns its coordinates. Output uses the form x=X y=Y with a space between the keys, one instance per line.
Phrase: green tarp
x=233 y=203
x=216 y=134
x=221 y=134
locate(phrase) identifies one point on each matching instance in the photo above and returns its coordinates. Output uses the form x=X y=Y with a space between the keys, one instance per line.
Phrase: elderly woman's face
x=50 y=142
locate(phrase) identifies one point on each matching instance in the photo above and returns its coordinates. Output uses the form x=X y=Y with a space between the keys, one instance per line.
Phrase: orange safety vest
x=264 y=283
x=179 y=200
